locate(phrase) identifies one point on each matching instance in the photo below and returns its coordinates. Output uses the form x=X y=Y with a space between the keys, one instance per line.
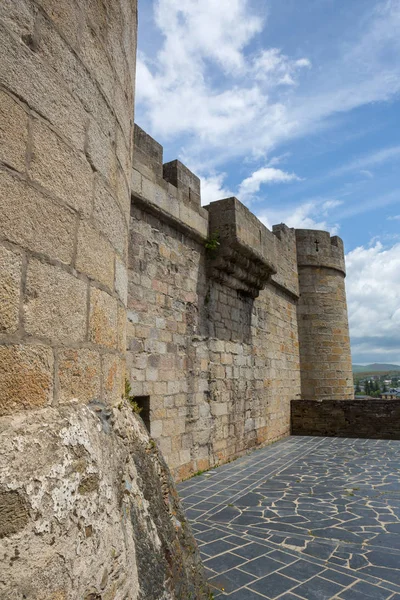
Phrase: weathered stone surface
x=18 y=18
x=10 y=276
x=60 y=169
x=113 y=370
x=108 y=216
x=103 y=318
x=25 y=215
x=13 y=513
x=369 y=418
x=95 y=255
x=79 y=373
x=13 y=132
x=26 y=377
x=91 y=484
x=26 y=76
x=121 y=280
x=54 y=303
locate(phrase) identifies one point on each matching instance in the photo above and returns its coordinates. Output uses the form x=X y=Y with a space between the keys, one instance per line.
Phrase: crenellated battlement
x=319 y=249
x=248 y=248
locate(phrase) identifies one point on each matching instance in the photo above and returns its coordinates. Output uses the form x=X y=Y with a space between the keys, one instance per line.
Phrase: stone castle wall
x=220 y=314
x=66 y=121
x=87 y=505
x=369 y=418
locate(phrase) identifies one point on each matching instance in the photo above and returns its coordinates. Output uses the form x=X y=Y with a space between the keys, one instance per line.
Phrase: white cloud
x=251 y=185
x=205 y=88
x=275 y=68
x=372 y=159
x=394 y=218
x=373 y=296
x=212 y=188
x=314 y=214
x=367 y=173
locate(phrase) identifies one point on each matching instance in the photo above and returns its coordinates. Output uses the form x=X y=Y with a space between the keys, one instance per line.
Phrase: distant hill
x=375 y=367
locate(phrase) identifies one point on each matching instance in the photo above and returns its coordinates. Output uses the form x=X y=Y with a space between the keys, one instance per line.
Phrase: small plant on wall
x=131 y=399
x=212 y=243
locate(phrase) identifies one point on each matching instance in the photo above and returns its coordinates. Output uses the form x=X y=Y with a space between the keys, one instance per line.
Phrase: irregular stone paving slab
x=306 y=518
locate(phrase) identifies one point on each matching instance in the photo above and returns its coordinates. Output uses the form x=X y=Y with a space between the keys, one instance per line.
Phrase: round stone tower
x=66 y=133
x=325 y=357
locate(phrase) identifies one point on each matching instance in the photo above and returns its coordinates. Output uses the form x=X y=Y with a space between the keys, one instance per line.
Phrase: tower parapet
x=319 y=249
x=325 y=356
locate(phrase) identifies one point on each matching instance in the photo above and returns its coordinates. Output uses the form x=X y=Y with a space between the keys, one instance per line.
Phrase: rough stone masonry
x=107 y=258
x=227 y=321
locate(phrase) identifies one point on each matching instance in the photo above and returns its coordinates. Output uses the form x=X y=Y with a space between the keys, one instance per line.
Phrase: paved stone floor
x=310 y=518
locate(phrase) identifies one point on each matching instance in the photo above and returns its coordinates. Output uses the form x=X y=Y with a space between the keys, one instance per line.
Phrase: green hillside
x=375 y=367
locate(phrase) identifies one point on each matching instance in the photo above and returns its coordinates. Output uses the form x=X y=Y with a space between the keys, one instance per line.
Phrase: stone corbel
x=236 y=253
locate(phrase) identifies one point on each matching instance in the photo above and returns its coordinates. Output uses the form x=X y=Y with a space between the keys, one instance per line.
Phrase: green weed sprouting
x=212 y=243
x=131 y=399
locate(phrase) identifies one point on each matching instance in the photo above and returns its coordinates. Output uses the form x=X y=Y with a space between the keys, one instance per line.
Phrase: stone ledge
x=319 y=249
x=365 y=418
x=165 y=203
x=239 y=259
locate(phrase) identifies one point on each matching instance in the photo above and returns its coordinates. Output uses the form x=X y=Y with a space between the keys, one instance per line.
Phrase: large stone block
x=26 y=378
x=10 y=283
x=101 y=153
x=113 y=370
x=18 y=17
x=31 y=219
x=79 y=373
x=13 y=132
x=67 y=16
x=55 y=52
x=54 y=304
x=108 y=216
x=61 y=170
x=103 y=320
x=28 y=77
x=95 y=255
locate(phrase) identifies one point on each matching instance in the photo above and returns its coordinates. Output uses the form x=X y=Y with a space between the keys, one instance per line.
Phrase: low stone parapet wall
x=365 y=418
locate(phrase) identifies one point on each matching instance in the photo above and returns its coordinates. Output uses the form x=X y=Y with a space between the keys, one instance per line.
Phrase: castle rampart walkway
x=311 y=518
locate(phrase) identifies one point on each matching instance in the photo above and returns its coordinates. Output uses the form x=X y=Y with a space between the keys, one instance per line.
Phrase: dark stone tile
x=231 y=580
x=357 y=561
x=261 y=566
x=352 y=594
x=319 y=550
x=217 y=547
x=379 y=558
x=301 y=570
x=225 y=515
x=283 y=557
x=338 y=577
x=251 y=499
x=223 y=562
x=236 y=540
x=273 y=585
x=210 y=535
x=288 y=596
x=252 y=550
x=336 y=533
x=391 y=575
x=193 y=514
x=371 y=591
x=246 y=594
x=318 y=589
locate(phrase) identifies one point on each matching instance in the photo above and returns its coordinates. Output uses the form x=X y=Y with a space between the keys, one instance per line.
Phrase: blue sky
x=293 y=107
